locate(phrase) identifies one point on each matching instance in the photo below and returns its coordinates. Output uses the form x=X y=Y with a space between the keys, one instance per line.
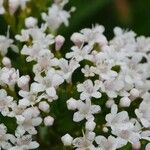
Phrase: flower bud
x=77 y=39
x=136 y=146
x=134 y=92
x=44 y=106
x=71 y=104
x=6 y=62
x=109 y=103
x=90 y=125
x=125 y=102
x=23 y=82
x=105 y=129
x=13 y=5
x=67 y=140
x=48 y=121
x=30 y=22
x=59 y=41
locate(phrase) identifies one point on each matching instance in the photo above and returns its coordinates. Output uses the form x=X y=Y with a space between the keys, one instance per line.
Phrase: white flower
x=4 y=138
x=6 y=62
x=143 y=112
x=40 y=41
x=94 y=35
x=111 y=143
x=80 y=53
x=125 y=102
x=44 y=106
x=103 y=67
x=118 y=120
x=24 y=142
x=56 y=16
x=67 y=140
x=29 y=98
x=88 y=71
x=122 y=126
x=85 y=111
x=72 y=104
x=49 y=83
x=67 y=68
x=85 y=142
x=28 y=120
x=90 y=125
x=89 y=90
x=23 y=82
x=30 y=22
x=9 y=76
x=5 y=43
x=78 y=39
x=5 y=103
x=48 y=121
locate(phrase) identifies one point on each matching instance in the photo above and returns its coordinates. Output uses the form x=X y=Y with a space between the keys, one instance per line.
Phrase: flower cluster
x=112 y=100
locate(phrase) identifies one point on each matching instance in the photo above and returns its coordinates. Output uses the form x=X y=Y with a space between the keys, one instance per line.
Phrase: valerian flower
x=85 y=111
x=88 y=90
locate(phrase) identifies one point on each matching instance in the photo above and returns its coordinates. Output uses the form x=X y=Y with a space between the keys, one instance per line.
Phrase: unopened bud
x=48 y=121
x=77 y=39
x=6 y=62
x=67 y=140
x=125 y=102
x=44 y=106
x=30 y=22
x=59 y=41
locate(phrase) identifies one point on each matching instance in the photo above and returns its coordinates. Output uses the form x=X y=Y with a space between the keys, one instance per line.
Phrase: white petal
x=77 y=116
x=51 y=92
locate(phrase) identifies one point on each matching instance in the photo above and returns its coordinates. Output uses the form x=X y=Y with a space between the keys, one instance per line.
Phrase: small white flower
x=4 y=138
x=48 y=121
x=67 y=68
x=5 y=103
x=44 y=106
x=30 y=22
x=56 y=16
x=29 y=119
x=88 y=71
x=24 y=142
x=111 y=143
x=67 y=140
x=85 y=142
x=125 y=102
x=89 y=90
x=80 y=53
x=85 y=111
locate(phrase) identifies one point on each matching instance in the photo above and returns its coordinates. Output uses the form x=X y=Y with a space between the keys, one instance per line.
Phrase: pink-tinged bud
x=30 y=22
x=136 y=146
x=77 y=39
x=59 y=41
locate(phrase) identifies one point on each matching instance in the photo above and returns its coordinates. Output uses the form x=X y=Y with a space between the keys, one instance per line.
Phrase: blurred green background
x=128 y=14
